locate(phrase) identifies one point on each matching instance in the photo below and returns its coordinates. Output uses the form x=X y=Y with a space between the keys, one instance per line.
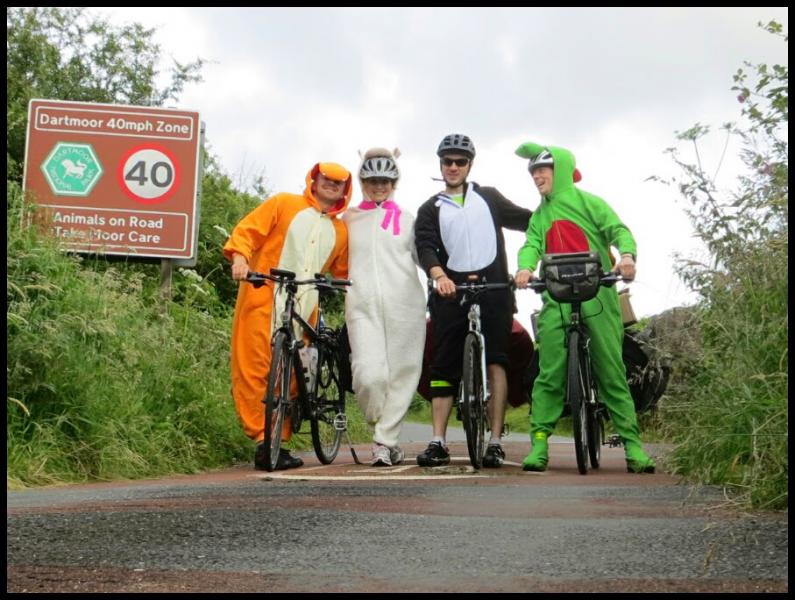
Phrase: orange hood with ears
x=332 y=171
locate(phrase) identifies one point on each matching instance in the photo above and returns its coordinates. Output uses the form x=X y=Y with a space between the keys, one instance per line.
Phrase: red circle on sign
x=120 y=175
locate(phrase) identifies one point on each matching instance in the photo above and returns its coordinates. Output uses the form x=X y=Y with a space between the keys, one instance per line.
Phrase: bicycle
x=321 y=397
x=575 y=278
x=473 y=391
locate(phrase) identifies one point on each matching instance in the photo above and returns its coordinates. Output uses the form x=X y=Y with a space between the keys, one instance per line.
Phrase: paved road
x=356 y=528
x=420 y=432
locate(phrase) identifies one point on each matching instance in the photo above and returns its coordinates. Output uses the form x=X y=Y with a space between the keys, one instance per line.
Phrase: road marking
x=368 y=477
x=367 y=472
x=383 y=470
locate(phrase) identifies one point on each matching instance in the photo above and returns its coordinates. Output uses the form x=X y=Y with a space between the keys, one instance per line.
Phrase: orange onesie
x=291 y=232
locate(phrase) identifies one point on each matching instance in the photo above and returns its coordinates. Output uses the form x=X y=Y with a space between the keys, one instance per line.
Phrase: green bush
x=104 y=380
x=728 y=409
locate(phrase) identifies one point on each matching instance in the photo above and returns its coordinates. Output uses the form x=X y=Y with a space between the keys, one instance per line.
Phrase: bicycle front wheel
x=576 y=399
x=473 y=401
x=327 y=416
x=596 y=433
x=277 y=398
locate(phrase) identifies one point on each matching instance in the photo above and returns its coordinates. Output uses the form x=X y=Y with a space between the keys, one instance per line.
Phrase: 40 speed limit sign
x=115 y=179
x=149 y=174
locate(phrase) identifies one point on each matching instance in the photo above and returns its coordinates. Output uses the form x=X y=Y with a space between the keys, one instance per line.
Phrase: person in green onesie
x=571 y=220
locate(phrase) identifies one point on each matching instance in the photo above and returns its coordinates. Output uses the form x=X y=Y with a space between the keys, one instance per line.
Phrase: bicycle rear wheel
x=277 y=398
x=473 y=401
x=327 y=415
x=576 y=398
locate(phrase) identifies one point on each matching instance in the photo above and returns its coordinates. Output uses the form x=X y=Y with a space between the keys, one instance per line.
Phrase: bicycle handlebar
x=472 y=289
x=280 y=276
x=475 y=286
x=479 y=287
x=605 y=279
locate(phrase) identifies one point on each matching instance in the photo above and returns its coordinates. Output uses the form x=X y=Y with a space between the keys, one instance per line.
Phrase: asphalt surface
x=348 y=527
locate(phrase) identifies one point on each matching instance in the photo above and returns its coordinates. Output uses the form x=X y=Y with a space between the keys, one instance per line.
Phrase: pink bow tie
x=392 y=214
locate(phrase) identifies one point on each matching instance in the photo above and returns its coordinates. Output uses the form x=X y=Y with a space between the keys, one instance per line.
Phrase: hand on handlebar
x=445 y=286
x=626 y=267
x=239 y=267
x=523 y=278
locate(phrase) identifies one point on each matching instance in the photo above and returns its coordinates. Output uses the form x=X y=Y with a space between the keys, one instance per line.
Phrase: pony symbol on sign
x=73 y=169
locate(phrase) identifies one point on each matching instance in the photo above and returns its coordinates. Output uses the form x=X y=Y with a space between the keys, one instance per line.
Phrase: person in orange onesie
x=287 y=231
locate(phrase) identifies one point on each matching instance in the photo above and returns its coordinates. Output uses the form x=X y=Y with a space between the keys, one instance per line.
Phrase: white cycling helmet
x=544 y=159
x=379 y=166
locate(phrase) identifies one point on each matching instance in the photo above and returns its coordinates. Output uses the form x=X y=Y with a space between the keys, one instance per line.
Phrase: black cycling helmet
x=456 y=143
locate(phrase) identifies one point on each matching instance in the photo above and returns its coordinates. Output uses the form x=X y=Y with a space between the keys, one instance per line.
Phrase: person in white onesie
x=385 y=309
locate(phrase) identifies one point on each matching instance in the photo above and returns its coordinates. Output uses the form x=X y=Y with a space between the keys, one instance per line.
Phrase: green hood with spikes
x=565 y=164
x=568 y=208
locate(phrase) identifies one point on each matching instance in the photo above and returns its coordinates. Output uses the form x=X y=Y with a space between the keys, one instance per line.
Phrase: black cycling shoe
x=288 y=461
x=494 y=456
x=435 y=455
x=285 y=460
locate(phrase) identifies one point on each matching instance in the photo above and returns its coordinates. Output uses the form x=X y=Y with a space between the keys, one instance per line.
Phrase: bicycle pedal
x=506 y=430
x=614 y=441
x=341 y=422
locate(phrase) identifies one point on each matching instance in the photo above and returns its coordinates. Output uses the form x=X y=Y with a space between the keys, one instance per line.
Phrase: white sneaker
x=396 y=455
x=381 y=456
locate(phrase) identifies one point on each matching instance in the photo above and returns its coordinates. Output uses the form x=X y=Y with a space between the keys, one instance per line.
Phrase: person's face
x=377 y=189
x=455 y=168
x=542 y=176
x=328 y=191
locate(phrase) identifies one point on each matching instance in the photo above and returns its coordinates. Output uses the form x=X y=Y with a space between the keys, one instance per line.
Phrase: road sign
x=115 y=179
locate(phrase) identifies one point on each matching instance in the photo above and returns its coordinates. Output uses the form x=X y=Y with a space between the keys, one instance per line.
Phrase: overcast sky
x=287 y=87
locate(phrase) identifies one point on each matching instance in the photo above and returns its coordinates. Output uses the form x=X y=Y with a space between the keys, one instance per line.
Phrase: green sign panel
x=72 y=169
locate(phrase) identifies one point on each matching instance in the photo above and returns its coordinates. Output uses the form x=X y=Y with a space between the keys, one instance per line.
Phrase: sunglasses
x=378 y=181
x=459 y=162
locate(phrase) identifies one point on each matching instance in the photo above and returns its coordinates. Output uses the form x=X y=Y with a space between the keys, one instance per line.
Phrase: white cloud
x=288 y=87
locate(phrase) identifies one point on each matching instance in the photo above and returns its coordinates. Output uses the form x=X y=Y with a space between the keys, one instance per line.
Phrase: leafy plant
x=729 y=414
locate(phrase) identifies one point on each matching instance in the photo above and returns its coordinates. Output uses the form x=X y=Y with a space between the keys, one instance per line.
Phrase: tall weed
x=102 y=382
x=729 y=410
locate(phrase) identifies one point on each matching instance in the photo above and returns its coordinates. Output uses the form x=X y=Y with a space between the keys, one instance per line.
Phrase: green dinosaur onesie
x=571 y=220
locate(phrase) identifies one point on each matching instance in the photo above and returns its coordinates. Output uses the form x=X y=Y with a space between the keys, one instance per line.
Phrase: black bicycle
x=575 y=278
x=321 y=397
x=473 y=391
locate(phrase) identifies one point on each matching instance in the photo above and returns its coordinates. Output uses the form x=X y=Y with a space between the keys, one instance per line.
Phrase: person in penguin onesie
x=459 y=233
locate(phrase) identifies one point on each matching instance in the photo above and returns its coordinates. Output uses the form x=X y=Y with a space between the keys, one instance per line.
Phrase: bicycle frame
x=288 y=316
x=474 y=393
x=470 y=292
x=595 y=411
x=308 y=403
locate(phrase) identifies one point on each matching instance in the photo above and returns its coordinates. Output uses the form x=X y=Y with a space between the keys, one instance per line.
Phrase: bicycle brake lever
x=257 y=283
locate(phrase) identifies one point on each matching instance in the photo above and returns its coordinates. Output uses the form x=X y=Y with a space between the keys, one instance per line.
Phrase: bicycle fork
x=474 y=327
